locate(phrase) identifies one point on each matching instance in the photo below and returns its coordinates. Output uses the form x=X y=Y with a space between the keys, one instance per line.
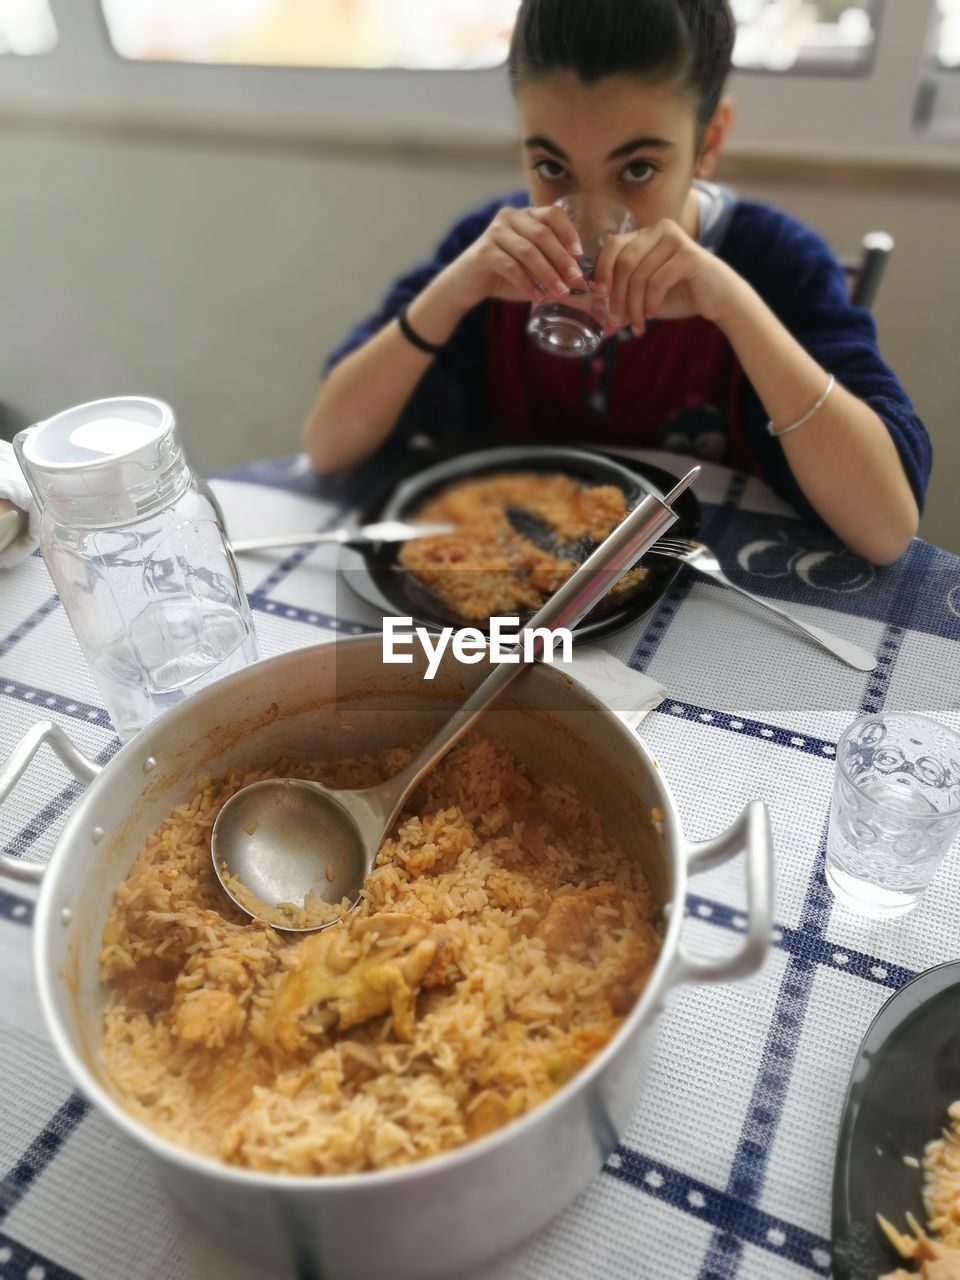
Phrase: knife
x=365 y=535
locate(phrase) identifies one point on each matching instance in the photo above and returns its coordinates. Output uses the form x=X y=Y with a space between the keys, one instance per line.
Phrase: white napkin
x=14 y=489
x=628 y=693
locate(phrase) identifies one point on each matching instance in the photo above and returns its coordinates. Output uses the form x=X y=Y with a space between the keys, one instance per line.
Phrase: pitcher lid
x=103 y=462
x=118 y=429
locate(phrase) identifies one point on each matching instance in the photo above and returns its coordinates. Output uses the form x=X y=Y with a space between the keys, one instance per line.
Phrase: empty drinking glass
x=575 y=325
x=895 y=812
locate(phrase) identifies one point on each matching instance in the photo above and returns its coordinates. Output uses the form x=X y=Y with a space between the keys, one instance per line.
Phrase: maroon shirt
x=677 y=386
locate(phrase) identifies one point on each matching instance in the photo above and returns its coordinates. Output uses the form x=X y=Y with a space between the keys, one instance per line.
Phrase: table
x=726 y=1167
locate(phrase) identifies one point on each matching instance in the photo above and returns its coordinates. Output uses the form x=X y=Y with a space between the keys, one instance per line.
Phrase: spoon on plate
x=280 y=839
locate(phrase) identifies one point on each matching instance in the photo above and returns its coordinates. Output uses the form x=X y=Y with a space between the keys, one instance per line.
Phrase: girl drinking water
x=730 y=328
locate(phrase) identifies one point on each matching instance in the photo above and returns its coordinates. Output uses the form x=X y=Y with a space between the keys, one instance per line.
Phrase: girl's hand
x=525 y=255
x=659 y=273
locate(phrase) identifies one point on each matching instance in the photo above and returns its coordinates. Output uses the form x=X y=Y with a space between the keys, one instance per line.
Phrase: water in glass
x=895 y=811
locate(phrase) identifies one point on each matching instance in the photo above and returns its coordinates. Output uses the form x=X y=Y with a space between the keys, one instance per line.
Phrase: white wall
x=215 y=279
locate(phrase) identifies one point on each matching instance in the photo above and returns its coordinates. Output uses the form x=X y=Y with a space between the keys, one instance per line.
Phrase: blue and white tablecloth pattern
x=725 y=1170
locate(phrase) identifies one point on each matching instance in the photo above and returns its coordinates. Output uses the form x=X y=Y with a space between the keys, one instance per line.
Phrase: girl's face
x=624 y=138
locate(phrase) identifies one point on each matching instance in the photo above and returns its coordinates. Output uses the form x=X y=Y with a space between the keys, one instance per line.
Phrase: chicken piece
x=485 y=1112
x=640 y=953
x=443 y=966
x=223 y=968
x=358 y=1062
x=571 y=920
x=353 y=983
x=149 y=996
x=226 y=971
x=208 y=1016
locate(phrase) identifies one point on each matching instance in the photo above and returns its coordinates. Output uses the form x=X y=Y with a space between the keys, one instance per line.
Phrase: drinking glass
x=574 y=326
x=895 y=811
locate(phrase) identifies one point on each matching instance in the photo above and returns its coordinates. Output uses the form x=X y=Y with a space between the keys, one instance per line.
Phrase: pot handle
x=750 y=834
x=13 y=769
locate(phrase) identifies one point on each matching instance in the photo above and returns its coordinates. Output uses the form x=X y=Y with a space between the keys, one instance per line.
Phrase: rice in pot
x=500 y=941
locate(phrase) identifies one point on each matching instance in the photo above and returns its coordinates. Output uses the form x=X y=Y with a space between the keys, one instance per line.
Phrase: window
x=775 y=35
x=26 y=27
x=937 y=107
x=946 y=42
x=416 y=35
x=805 y=35
x=799 y=86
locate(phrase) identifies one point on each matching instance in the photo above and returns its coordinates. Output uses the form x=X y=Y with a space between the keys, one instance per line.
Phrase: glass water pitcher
x=136 y=547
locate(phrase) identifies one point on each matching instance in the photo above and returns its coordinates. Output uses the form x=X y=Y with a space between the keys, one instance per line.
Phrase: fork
x=698 y=556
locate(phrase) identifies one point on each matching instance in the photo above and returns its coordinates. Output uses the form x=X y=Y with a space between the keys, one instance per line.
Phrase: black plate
x=375 y=574
x=906 y=1075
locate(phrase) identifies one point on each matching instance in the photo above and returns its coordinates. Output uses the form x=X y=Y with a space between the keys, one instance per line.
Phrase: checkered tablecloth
x=726 y=1167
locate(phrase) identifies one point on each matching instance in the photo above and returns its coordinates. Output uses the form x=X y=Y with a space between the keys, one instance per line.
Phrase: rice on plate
x=500 y=942
x=937 y=1255
x=517 y=537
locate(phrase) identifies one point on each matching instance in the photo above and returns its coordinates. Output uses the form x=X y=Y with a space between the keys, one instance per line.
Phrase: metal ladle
x=282 y=837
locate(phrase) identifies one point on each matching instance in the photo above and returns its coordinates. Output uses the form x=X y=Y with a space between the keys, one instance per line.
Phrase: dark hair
x=688 y=39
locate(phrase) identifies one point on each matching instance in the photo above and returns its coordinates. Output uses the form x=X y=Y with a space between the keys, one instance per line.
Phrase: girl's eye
x=638 y=172
x=550 y=170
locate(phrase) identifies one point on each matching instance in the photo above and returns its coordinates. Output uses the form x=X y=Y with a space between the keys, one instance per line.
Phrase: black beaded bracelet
x=411 y=335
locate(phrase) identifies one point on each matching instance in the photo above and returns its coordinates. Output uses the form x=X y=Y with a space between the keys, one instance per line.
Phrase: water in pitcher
x=880 y=856
x=172 y=648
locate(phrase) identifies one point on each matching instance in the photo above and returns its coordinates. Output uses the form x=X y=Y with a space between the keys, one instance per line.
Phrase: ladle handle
x=618 y=552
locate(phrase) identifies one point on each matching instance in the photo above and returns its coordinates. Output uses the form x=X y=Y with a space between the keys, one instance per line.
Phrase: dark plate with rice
x=905 y=1078
x=414 y=579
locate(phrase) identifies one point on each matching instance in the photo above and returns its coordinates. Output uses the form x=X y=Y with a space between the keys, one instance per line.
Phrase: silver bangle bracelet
x=807 y=416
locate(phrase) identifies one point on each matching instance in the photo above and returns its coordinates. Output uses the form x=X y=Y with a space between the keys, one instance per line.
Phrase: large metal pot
x=457 y=1209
